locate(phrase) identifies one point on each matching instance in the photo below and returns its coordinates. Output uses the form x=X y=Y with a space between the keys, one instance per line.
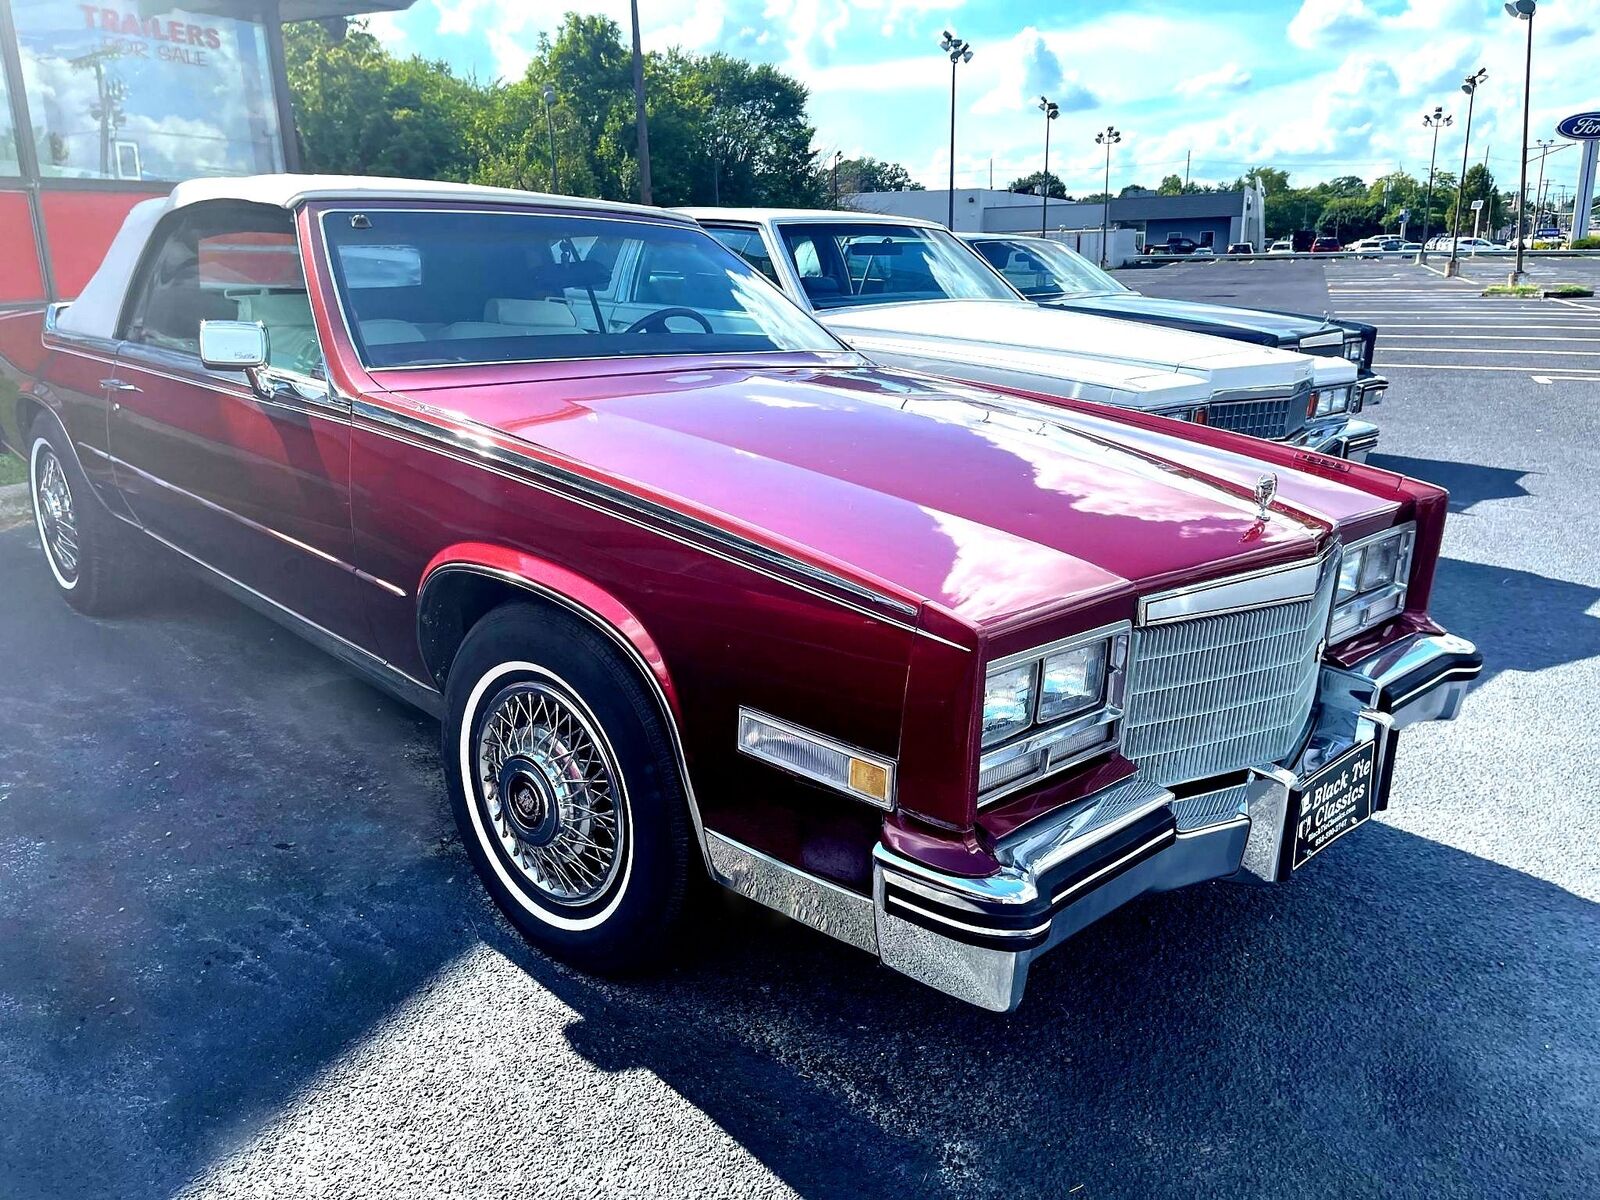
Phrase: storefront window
x=117 y=92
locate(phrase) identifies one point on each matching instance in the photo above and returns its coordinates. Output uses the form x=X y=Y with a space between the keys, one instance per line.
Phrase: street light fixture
x=960 y=51
x=1523 y=10
x=1051 y=111
x=549 y=95
x=1469 y=85
x=1436 y=120
x=837 y=155
x=1108 y=139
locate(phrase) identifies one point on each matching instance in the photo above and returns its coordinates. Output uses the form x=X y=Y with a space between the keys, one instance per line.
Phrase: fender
x=590 y=603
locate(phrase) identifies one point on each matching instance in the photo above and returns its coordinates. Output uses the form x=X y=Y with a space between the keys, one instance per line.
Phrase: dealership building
x=103 y=105
x=1210 y=218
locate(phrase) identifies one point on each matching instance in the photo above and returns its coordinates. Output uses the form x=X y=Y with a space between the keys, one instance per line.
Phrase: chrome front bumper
x=1343 y=437
x=975 y=938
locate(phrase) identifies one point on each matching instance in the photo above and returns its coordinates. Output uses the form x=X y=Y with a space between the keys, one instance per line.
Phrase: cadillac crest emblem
x=1266 y=488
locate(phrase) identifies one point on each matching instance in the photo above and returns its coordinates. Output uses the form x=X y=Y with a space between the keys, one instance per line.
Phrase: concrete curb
x=14 y=505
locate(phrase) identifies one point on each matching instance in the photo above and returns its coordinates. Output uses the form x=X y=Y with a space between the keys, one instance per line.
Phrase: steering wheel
x=657 y=321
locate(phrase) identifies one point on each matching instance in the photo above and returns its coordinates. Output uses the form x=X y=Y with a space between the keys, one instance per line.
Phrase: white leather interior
x=387 y=332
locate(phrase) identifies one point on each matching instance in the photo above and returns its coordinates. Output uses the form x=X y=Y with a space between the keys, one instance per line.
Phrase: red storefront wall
x=21 y=279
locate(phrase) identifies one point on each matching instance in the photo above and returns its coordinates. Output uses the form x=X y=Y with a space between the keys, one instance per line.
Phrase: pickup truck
x=911 y=294
x=695 y=590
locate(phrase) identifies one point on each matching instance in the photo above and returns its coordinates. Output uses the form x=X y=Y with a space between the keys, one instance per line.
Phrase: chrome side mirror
x=233 y=345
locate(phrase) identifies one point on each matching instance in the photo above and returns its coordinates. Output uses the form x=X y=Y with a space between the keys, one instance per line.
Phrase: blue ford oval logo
x=1581 y=127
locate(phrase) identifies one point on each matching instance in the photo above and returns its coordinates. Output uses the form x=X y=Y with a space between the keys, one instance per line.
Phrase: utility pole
x=638 y=109
x=1188 y=159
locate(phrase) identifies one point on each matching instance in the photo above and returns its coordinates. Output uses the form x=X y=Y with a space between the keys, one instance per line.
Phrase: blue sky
x=1316 y=87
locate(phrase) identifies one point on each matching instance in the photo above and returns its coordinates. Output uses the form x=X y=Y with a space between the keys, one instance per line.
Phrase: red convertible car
x=946 y=673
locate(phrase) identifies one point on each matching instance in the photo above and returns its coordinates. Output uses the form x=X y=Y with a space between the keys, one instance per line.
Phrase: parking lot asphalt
x=242 y=952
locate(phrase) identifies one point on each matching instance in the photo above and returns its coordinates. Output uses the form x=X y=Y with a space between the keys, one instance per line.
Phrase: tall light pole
x=549 y=94
x=1469 y=85
x=1523 y=10
x=1051 y=111
x=1108 y=139
x=638 y=109
x=1436 y=120
x=960 y=51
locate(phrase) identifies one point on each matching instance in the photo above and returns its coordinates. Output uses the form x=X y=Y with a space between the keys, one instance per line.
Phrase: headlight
x=1355 y=349
x=1007 y=702
x=1372 y=582
x=1326 y=401
x=1050 y=708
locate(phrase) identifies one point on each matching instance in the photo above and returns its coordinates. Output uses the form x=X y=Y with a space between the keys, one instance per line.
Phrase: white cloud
x=1323 y=23
x=1230 y=77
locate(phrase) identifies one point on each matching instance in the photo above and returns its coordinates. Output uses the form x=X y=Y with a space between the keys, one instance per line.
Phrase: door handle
x=118 y=385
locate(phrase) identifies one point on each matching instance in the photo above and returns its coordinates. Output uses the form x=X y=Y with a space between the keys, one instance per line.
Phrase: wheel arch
x=465 y=582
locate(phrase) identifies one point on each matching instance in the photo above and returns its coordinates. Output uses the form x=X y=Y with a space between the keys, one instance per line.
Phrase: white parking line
x=1492 y=337
x=1508 y=350
x=1594 y=372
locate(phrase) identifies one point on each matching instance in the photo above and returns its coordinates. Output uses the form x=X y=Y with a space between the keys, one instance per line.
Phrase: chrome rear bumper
x=1343 y=438
x=975 y=938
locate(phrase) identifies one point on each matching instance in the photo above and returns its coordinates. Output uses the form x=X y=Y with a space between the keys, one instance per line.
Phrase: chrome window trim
x=1253 y=589
x=887 y=765
x=1300 y=389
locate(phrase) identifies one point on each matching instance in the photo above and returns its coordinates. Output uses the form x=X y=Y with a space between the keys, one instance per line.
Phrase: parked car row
x=831 y=567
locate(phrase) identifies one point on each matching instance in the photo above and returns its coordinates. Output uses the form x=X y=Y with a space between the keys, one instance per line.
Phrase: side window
x=229 y=263
x=747 y=244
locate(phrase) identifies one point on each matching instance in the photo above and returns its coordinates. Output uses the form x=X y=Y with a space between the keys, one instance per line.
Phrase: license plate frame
x=1335 y=799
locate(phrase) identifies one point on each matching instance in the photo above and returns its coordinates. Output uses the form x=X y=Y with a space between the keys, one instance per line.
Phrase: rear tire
x=86 y=549
x=565 y=789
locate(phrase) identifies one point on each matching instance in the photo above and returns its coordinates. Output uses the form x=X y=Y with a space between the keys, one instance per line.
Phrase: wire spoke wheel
x=551 y=793
x=58 y=518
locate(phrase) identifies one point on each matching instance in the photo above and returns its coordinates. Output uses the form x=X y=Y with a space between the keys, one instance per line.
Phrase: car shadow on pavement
x=226 y=864
x=1479 y=601
x=1467 y=483
x=1351 y=1033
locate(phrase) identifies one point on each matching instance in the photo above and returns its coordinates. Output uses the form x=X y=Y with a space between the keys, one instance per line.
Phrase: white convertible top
x=760 y=216
x=94 y=313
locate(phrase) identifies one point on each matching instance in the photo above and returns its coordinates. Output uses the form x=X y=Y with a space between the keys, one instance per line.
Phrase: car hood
x=992 y=507
x=950 y=328
x=1268 y=328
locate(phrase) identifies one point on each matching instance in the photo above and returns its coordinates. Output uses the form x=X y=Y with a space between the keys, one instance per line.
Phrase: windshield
x=1039 y=268
x=434 y=287
x=842 y=263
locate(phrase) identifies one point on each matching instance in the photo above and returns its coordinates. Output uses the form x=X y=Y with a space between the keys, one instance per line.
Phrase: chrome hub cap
x=549 y=787
x=58 y=519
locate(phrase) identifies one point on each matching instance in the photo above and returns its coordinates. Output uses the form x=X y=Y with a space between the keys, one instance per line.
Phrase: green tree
x=868 y=174
x=1478 y=185
x=1030 y=185
x=361 y=111
x=1171 y=185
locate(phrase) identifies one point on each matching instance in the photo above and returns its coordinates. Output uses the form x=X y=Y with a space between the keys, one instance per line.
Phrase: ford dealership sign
x=1581 y=127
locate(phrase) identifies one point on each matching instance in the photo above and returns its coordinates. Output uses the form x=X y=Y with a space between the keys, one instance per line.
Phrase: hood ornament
x=1265 y=490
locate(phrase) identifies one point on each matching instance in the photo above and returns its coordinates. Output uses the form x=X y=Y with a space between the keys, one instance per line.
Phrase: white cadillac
x=907 y=293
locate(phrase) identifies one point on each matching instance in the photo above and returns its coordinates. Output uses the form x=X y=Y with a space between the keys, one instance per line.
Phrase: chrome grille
x=1218 y=693
x=1273 y=419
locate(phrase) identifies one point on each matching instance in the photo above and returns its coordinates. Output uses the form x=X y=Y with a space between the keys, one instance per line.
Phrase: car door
x=252 y=482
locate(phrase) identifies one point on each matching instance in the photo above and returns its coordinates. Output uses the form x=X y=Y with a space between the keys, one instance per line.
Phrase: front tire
x=84 y=546
x=565 y=790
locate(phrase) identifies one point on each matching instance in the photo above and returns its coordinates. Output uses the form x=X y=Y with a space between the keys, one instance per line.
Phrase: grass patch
x=11 y=469
x=1569 y=291
x=1521 y=291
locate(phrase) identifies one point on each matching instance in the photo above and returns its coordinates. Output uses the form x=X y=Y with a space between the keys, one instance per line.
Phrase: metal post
x=950 y=219
x=1471 y=89
x=1436 y=120
x=278 y=69
x=1105 y=211
x=638 y=109
x=549 y=95
x=1522 y=185
x=1044 y=183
